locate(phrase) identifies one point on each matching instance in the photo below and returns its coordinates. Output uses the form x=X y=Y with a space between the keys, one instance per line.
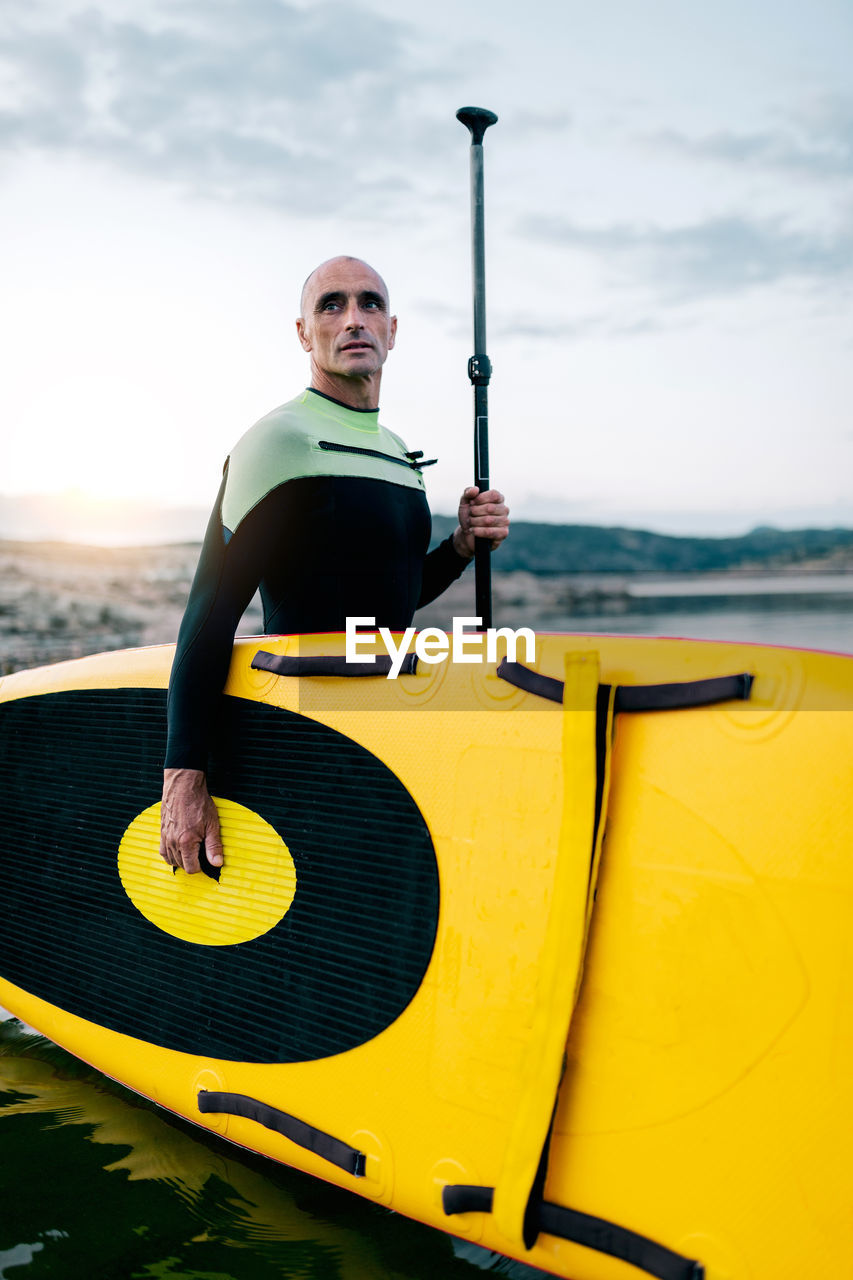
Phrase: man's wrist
x=183 y=778
x=460 y=546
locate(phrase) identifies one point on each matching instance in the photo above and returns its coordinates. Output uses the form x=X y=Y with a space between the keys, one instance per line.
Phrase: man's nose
x=352 y=317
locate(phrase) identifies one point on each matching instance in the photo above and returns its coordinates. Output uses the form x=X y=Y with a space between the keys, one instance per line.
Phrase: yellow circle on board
x=254 y=890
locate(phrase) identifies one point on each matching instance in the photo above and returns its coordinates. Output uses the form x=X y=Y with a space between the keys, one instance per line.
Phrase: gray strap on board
x=678 y=696
x=304 y=1135
x=582 y=1228
x=330 y=665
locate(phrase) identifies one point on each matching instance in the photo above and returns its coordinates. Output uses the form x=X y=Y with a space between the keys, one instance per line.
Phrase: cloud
x=819 y=145
x=584 y=328
x=257 y=100
x=534 y=123
x=716 y=257
x=526 y=326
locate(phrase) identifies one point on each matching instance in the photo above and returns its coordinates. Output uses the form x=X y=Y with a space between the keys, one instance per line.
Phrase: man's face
x=345 y=322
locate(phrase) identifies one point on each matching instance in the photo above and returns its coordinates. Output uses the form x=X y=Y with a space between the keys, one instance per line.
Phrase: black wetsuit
x=321 y=547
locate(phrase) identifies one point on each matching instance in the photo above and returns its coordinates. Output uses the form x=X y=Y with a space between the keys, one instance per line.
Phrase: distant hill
x=576 y=548
x=536 y=548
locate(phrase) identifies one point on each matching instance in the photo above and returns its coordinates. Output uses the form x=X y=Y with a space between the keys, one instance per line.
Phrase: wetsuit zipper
x=411 y=460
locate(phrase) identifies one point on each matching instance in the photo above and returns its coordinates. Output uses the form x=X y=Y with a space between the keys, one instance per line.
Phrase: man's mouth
x=357 y=346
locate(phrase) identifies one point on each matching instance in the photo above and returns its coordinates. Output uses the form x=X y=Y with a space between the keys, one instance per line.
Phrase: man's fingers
x=480 y=499
x=495 y=513
x=491 y=520
x=187 y=853
x=213 y=844
x=169 y=851
x=491 y=502
x=183 y=850
x=189 y=821
x=481 y=515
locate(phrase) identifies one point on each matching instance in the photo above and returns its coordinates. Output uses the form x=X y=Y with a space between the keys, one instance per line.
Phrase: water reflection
x=98 y=1182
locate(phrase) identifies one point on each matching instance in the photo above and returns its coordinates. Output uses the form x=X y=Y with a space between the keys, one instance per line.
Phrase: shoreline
x=62 y=600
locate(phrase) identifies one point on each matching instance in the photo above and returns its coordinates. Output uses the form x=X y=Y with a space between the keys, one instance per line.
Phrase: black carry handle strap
x=583 y=1228
x=639 y=697
x=330 y=665
x=685 y=694
x=304 y=1135
x=629 y=698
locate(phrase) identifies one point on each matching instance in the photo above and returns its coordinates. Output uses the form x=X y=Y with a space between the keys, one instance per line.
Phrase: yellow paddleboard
x=550 y=956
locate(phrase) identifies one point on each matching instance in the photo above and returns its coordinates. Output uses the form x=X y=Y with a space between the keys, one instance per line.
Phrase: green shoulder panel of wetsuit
x=311 y=436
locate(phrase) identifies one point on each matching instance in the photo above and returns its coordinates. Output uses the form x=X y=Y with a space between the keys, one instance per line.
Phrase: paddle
x=477 y=120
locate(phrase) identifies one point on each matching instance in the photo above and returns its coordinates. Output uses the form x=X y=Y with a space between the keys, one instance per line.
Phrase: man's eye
x=331 y=306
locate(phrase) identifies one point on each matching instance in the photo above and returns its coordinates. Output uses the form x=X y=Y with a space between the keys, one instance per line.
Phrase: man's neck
x=358 y=393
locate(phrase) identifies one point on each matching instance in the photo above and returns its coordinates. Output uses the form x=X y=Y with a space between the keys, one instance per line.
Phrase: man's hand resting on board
x=188 y=817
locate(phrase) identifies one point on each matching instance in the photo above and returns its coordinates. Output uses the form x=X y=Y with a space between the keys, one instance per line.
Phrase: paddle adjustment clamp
x=480 y=370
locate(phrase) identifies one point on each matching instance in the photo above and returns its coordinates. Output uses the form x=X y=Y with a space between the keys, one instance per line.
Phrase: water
x=807 y=611
x=96 y=1182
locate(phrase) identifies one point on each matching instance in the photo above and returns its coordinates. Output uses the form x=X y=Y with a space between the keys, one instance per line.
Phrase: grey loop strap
x=685 y=694
x=583 y=1228
x=330 y=665
x=641 y=697
x=530 y=681
x=304 y=1135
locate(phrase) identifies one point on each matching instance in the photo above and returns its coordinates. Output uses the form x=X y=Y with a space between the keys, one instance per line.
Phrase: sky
x=669 y=244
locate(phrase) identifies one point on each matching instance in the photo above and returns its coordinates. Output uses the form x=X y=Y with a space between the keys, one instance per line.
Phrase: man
x=324 y=509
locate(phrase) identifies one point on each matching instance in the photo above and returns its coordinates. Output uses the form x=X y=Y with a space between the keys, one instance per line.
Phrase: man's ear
x=303 y=335
x=393 y=337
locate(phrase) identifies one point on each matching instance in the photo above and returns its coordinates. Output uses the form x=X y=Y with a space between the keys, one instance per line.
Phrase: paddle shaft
x=477 y=120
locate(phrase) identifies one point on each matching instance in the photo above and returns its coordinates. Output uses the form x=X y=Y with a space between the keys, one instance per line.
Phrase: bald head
x=347 y=328
x=327 y=271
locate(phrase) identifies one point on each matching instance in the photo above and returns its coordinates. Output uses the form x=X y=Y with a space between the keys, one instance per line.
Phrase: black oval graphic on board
x=75 y=770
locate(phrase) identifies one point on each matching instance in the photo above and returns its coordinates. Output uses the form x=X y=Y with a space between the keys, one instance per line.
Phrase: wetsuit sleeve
x=441 y=567
x=227 y=577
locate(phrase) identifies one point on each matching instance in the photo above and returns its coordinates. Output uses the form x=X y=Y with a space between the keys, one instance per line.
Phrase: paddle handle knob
x=477 y=119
